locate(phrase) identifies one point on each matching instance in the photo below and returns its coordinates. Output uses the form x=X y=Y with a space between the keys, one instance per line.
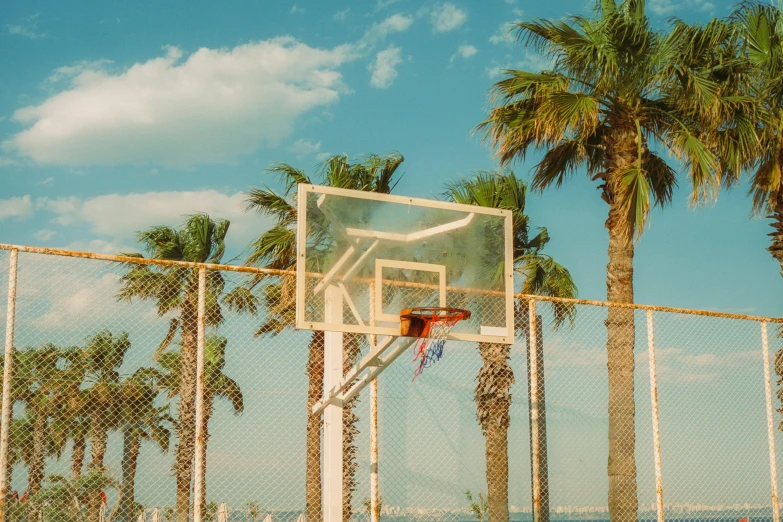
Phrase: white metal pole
x=198 y=481
x=5 y=428
x=773 y=468
x=535 y=462
x=654 y=409
x=332 y=485
x=375 y=508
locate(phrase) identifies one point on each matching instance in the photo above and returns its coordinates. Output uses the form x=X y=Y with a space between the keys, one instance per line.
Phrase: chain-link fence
x=104 y=418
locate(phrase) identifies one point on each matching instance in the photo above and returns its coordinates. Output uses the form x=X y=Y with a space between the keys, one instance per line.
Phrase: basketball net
x=429 y=349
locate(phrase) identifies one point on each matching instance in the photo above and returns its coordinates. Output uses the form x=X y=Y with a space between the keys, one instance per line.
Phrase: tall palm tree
x=103 y=356
x=276 y=248
x=175 y=290
x=541 y=275
x=216 y=384
x=142 y=419
x=616 y=94
x=760 y=27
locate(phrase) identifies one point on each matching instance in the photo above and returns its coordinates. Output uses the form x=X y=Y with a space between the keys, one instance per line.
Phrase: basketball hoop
x=431 y=326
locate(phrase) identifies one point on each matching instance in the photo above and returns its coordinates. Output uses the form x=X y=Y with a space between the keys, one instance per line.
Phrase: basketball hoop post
x=332 y=486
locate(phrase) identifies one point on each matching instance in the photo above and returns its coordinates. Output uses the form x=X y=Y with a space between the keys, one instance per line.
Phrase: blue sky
x=116 y=116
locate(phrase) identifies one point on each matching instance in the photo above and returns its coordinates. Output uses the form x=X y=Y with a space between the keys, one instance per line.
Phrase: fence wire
x=102 y=425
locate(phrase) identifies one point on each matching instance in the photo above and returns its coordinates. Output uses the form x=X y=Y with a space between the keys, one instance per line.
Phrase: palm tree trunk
x=493 y=401
x=621 y=468
x=315 y=375
x=186 y=428
x=37 y=462
x=77 y=459
x=98 y=439
x=131 y=446
x=543 y=468
x=776 y=248
x=208 y=406
x=351 y=351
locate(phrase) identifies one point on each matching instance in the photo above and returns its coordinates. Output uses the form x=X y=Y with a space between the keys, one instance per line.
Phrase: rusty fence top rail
x=291 y=273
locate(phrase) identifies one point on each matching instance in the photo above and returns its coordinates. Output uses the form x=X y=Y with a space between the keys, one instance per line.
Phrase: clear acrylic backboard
x=363 y=257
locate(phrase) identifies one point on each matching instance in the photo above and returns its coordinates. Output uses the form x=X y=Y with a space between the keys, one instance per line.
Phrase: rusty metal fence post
x=773 y=471
x=198 y=479
x=654 y=410
x=535 y=456
x=5 y=428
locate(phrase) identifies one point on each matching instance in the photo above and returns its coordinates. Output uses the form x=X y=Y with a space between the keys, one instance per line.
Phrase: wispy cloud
x=44 y=234
x=667 y=7
x=504 y=35
x=303 y=147
x=446 y=17
x=296 y=10
x=27 y=28
x=25 y=31
x=384 y=69
x=47 y=181
x=20 y=207
x=340 y=16
x=464 y=51
x=115 y=218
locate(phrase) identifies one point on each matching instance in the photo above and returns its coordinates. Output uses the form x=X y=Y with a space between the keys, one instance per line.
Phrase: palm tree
x=276 y=248
x=175 y=289
x=103 y=356
x=616 y=94
x=142 y=420
x=543 y=276
x=760 y=27
x=216 y=384
x=44 y=378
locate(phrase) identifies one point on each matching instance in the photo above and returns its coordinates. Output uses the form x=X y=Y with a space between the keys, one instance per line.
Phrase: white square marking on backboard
x=380 y=264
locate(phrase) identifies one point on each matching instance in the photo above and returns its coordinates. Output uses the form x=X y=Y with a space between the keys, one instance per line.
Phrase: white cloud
x=304 y=147
x=47 y=181
x=384 y=69
x=447 y=17
x=120 y=216
x=44 y=234
x=19 y=208
x=207 y=107
x=295 y=9
x=503 y=35
x=323 y=156
x=341 y=15
x=464 y=51
x=518 y=12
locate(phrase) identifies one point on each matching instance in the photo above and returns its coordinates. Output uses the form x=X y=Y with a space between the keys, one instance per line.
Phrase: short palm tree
x=616 y=94
x=44 y=378
x=142 y=419
x=217 y=384
x=175 y=290
x=276 y=248
x=103 y=356
x=542 y=276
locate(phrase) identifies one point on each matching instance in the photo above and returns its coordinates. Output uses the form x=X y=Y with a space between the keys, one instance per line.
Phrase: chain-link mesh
x=104 y=401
